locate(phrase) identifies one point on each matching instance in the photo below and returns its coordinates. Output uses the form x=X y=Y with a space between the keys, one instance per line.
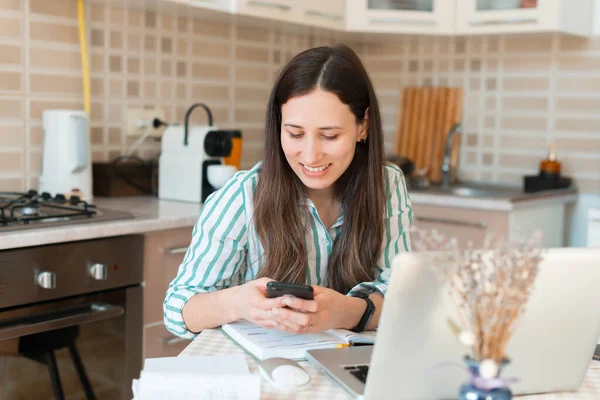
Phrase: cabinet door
x=401 y=16
x=281 y=10
x=164 y=252
x=221 y=5
x=522 y=16
x=326 y=14
x=465 y=224
x=159 y=342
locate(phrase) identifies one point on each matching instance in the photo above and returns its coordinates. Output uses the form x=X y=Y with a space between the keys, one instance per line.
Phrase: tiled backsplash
x=520 y=91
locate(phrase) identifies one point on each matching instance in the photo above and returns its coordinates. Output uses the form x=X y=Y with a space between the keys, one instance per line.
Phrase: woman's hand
x=253 y=305
x=328 y=310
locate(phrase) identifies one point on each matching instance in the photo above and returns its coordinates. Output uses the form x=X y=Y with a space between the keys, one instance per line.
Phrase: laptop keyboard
x=359 y=371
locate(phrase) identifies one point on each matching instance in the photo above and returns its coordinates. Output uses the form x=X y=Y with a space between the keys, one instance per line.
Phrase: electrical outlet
x=135 y=115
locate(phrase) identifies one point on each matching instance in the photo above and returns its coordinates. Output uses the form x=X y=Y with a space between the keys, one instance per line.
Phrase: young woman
x=322 y=208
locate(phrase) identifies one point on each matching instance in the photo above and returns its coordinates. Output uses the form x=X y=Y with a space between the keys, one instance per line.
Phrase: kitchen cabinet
x=472 y=225
x=163 y=253
x=432 y=17
x=524 y=16
x=219 y=5
x=280 y=10
x=593 y=238
x=328 y=14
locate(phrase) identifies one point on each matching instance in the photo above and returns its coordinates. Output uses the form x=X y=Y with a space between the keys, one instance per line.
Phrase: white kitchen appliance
x=66 y=154
x=186 y=155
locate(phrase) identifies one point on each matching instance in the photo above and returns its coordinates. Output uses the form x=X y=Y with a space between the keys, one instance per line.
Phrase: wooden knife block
x=425 y=117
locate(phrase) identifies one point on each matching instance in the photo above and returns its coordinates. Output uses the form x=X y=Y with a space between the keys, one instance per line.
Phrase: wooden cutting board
x=425 y=117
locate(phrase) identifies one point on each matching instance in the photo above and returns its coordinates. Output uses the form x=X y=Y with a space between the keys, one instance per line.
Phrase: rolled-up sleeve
x=216 y=253
x=396 y=235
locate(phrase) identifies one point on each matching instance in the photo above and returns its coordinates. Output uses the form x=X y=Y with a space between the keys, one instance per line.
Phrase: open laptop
x=550 y=350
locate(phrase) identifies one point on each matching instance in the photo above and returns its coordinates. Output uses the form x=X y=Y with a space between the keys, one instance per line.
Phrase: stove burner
x=29 y=210
x=30 y=207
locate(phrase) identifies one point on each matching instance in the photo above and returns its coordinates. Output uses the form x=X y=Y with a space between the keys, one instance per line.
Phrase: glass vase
x=479 y=388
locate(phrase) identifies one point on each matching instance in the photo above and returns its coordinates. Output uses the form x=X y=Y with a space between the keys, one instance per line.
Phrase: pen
x=339 y=346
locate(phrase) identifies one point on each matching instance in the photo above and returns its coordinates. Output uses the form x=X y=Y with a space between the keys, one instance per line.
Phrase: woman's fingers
x=300 y=304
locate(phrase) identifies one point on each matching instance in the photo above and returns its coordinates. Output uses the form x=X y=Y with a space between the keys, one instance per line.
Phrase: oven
x=71 y=319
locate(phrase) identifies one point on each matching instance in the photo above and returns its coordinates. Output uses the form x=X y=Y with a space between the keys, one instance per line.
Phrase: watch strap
x=367 y=315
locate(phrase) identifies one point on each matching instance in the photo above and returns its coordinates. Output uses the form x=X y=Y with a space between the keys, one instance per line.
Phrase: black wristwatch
x=367 y=315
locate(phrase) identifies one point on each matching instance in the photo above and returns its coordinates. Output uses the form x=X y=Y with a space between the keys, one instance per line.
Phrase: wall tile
x=12 y=135
x=117 y=16
x=210 y=71
x=11 y=184
x=145 y=59
x=14 y=5
x=10 y=81
x=11 y=108
x=37 y=106
x=580 y=104
x=50 y=32
x=55 y=8
x=523 y=123
x=578 y=125
x=524 y=103
x=10 y=54
x=11 y=162
x=166 y=45
x=252 y=34
x=578 y=84
x=10 y=28
x=217 y=93
x=247 y=53
x=116 y=40
x=55 y=59
x=115 y=64
x=526 y=84
x=251 y=74
x=203 y=27
x=201 y=48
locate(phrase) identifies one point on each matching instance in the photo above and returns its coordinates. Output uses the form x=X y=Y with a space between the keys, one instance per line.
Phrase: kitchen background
x=521 y=91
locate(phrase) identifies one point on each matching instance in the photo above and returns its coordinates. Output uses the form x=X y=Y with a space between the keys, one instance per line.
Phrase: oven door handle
x=49 y=321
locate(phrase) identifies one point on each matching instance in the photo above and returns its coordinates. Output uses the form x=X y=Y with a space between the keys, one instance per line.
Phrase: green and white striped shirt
x=225 y=250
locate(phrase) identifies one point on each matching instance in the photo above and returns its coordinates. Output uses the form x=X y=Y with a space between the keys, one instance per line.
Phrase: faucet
x=447 y=151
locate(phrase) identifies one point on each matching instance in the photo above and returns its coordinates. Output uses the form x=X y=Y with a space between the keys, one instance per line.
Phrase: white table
x=213 y=342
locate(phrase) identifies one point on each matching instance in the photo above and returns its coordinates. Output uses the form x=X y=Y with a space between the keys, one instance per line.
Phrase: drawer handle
x=173 y=340
x=176 y=250
x=401 y=21
x=268 y=4
x=316 y=13
x=478 y=224
x=506 y=21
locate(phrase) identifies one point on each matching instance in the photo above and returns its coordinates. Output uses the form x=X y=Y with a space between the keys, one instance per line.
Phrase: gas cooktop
x=34 y=210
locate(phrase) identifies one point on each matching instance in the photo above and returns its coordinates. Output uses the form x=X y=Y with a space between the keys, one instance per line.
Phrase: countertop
x=150 y=214
x=501 y=198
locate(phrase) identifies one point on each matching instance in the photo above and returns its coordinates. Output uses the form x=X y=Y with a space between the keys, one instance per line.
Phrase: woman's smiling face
x=319 y=135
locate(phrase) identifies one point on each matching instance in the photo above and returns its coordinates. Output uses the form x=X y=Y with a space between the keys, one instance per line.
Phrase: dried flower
x=490 y=286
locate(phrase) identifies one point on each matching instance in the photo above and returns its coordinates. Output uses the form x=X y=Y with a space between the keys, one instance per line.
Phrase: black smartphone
x=276 y=289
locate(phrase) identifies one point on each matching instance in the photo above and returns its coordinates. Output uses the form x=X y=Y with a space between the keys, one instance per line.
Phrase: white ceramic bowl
x=219 y=174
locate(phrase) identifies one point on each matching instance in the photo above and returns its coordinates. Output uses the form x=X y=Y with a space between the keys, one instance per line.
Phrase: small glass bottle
x=550 y=168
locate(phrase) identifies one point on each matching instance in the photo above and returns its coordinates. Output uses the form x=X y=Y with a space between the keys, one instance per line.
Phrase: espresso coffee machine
x=191 y=164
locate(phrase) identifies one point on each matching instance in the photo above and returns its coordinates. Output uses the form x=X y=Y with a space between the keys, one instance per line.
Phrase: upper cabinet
x=281 y=10
x=324 y=13
x=429 y=17
x=401 y=16
x=524 y=16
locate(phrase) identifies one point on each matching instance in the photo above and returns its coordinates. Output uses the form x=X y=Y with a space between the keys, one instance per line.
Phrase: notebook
x=264 y=343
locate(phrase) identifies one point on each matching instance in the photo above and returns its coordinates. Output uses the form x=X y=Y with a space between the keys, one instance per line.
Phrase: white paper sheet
x=199 y=377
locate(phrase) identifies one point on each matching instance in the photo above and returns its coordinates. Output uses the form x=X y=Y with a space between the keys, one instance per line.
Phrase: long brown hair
x=278 y=214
